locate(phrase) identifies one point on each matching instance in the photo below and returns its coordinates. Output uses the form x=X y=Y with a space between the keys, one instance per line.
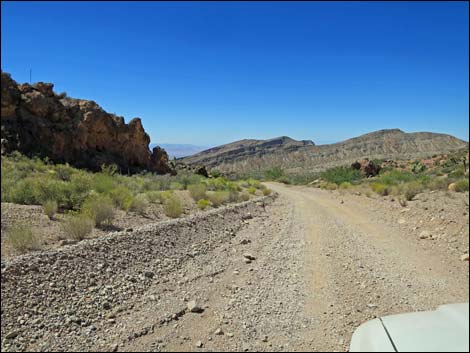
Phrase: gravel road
x=297 y=274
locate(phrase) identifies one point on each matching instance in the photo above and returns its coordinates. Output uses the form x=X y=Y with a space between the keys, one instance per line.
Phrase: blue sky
x=209 y=73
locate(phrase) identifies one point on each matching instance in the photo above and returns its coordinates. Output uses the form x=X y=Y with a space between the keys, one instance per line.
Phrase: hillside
x=300 y=156
x=38 y=122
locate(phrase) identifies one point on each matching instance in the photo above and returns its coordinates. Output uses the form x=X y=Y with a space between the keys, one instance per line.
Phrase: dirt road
x=323 y=264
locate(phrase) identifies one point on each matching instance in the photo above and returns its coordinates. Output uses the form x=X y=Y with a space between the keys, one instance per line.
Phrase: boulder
x=368 y=168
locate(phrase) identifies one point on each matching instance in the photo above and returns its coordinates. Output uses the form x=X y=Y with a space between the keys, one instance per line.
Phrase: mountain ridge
x=298 y=156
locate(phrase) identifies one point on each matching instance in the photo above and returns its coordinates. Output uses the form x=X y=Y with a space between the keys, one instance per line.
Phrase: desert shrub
x=215 y=173
x=379 y=188
x=461 y=185
x=395 y=177
x=63 y=172
x=103 y=183
x=173 y=206
x=80 y=185
x=254 y=183
x=267 y=192
x=328 y=186
x=21 y=238
x=202 y=204
x=154 y=196
x=251 y=190
x=99 y=208
x=274 y=173
x=121 y=197
x=24 y=192
x=218 y=198
x=457 y=172
x=139 y=204
x=50 y=208
x=244 y=196
x=345 y=185
x=412 y=189
x=77 y=227
x=197 y=191
x=234 y=196
x=418 y=167
x=176 y=186
x=284 y=179
x=339 y=175
x=438 y=183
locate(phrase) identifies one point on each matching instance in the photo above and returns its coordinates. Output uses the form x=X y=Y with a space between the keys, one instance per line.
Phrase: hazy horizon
x=212 y=73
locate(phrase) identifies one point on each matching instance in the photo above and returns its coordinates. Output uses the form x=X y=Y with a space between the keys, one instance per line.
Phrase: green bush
x=63 y=172
x=274 y=173
x=251 y=190
x=244 y=196
x=339 y=175
x=218 y=198
x=154 y=196
x=267 y=192
x=345 y=185
x=202 y=204
x=121 y=197
x=197 y=191
x=215 y=173
x=380 y=189
x=176 y=186
x=173 y=206
x=139 y=204
x=99 y=208
x=21 y=238
x=412 y=189
x=438 y=183
x=395 y=177
x=77 y=227
x=461 y=185
x=50 y=208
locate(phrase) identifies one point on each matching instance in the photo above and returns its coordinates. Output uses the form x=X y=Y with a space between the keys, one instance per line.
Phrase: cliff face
x=36 y=121
x=304 y=156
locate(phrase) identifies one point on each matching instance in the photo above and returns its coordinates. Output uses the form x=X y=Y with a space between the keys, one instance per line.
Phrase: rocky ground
x=52 y=235
x=298 y=272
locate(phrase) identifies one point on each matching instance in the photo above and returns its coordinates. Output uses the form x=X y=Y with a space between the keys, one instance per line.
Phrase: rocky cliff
x=37 y=121
x=304 y=156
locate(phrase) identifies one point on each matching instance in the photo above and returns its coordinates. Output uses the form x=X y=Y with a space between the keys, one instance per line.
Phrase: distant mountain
x=304 y=156
x=179 y=150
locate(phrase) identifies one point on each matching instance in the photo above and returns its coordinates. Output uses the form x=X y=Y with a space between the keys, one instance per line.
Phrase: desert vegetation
x=80 y=200
x=404 y=179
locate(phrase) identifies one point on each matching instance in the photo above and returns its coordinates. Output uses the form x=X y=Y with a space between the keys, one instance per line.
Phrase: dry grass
x=22 y=239
x=77 y=227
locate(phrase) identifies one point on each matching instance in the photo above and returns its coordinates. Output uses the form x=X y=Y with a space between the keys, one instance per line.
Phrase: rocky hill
x=301 y=156
x=37 y=121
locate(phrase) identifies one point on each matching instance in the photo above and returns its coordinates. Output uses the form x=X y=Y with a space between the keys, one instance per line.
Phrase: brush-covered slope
x=301 y=156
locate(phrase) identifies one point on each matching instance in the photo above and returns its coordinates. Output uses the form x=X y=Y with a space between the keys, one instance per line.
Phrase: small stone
x=218 y=331
x=265 y=339
x=12 y=334
x=464 y=257
x=148 y=274
x=194 y=307
x=229 y=334
x=249 y=256
x=199 y=344
x=401 y=221
x=247 y=261
x=424 y=234
x=372 y=306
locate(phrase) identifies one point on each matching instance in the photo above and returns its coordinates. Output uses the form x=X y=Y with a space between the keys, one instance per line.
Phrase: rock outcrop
x=36 y=121
x=368 y=168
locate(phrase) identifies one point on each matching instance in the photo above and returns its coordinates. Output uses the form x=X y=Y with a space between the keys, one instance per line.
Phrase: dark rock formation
x=36 y=121
x=368 y=168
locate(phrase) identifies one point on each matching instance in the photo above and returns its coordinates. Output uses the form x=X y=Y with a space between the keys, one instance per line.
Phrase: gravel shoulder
x=297 y=273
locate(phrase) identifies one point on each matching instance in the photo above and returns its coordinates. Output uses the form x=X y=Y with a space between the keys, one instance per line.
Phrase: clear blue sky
x=210 y=73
